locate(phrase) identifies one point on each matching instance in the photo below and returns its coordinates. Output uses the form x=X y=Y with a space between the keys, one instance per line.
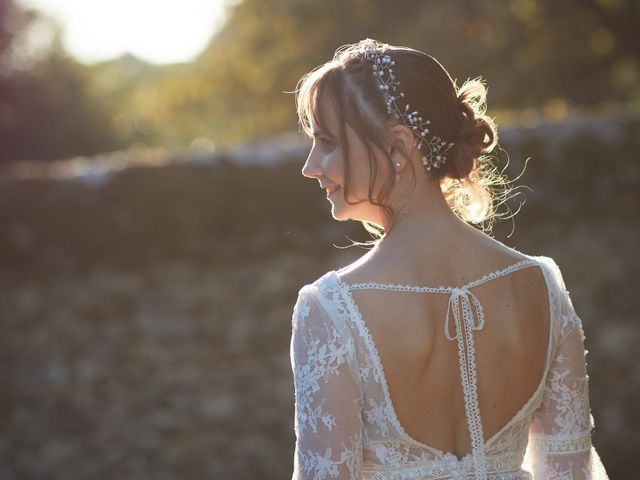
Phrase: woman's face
x=326 y=163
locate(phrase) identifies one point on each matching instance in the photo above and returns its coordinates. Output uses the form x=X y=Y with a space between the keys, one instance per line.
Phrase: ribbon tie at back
x=460 y=297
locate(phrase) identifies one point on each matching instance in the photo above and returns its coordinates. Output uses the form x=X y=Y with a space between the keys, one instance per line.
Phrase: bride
x=441 y=353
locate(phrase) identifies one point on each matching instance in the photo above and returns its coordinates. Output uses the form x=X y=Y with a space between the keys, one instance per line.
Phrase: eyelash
x=326 y=142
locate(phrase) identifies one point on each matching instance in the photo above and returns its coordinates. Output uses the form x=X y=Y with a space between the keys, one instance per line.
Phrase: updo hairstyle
x=468 y=180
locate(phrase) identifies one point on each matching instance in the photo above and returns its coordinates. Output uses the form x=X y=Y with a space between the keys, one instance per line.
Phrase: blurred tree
x=12 y=20
x=126 y=88
x=531 y=53
x=45 y=111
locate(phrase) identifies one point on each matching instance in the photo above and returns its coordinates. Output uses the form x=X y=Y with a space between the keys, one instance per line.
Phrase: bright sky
x=159 y=31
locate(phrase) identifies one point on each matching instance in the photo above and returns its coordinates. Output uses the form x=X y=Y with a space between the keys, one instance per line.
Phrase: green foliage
x=46 y=111
x=532 y=53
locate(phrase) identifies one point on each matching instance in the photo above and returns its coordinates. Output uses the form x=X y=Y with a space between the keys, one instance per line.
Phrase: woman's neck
x=427 y=232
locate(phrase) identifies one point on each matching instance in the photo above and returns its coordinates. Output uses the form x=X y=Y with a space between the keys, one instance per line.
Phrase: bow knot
x=460 y=290
x=460 y=297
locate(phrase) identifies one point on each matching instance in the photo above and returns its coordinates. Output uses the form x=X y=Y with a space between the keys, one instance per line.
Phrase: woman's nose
x=311 y=168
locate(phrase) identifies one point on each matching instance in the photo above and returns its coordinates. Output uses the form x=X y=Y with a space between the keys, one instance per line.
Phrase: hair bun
x=476 y=130
x=477 y=133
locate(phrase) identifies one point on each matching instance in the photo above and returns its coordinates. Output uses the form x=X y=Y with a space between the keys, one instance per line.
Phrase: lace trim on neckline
x=442 y=289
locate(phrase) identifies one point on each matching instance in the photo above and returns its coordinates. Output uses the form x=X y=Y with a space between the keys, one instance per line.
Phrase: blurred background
x=155 y=227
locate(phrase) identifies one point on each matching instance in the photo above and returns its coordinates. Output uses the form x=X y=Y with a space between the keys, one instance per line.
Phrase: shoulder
x=317 y=298
x=551 y=269
x=552 y=274
x=559 y=294
x=321 y=314
x=436 y=270
x=319 y=285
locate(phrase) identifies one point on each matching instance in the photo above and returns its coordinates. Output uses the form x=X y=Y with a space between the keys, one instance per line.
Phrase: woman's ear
x=400 y=136
x=400 y=144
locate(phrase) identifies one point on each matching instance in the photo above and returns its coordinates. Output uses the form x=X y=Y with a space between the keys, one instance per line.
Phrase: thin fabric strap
x=460 y=298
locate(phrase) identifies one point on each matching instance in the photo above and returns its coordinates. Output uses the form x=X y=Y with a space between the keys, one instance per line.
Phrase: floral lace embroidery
x=378 y=415
x=324 y=466
x=553 y=469
x=323 y=360
x=559 y=443
x=320 y=361
x=569 y=400
x=566 y=399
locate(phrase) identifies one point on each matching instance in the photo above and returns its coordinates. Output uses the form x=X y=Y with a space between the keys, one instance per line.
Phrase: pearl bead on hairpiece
x=436 y=147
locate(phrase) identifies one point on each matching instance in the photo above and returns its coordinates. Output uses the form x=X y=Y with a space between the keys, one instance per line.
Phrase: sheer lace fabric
x=345 y=423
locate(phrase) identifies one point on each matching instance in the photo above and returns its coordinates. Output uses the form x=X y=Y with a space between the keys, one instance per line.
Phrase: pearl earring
x=397 y=175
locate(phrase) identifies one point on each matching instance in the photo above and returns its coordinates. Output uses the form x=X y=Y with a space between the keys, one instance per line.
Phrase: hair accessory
x=436 y=146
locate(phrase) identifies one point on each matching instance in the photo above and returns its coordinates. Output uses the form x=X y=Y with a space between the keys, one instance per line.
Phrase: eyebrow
x=317 y=133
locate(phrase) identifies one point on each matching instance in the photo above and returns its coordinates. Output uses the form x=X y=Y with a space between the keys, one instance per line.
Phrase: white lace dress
x=345 y=423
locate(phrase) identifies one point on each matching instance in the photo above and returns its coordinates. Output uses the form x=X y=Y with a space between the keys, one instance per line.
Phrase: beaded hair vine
x=436 y=146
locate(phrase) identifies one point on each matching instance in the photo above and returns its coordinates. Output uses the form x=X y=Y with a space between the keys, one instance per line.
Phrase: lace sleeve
x=328 y=422
x=560 y=433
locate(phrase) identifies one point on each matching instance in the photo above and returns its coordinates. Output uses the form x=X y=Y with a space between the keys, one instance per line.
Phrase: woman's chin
x=336 y=212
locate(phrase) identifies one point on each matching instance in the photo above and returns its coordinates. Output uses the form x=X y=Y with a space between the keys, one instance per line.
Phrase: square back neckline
x=482 y=279
x=346 y=288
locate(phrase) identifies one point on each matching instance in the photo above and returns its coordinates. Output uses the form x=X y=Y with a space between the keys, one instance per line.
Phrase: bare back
x=421 y=365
